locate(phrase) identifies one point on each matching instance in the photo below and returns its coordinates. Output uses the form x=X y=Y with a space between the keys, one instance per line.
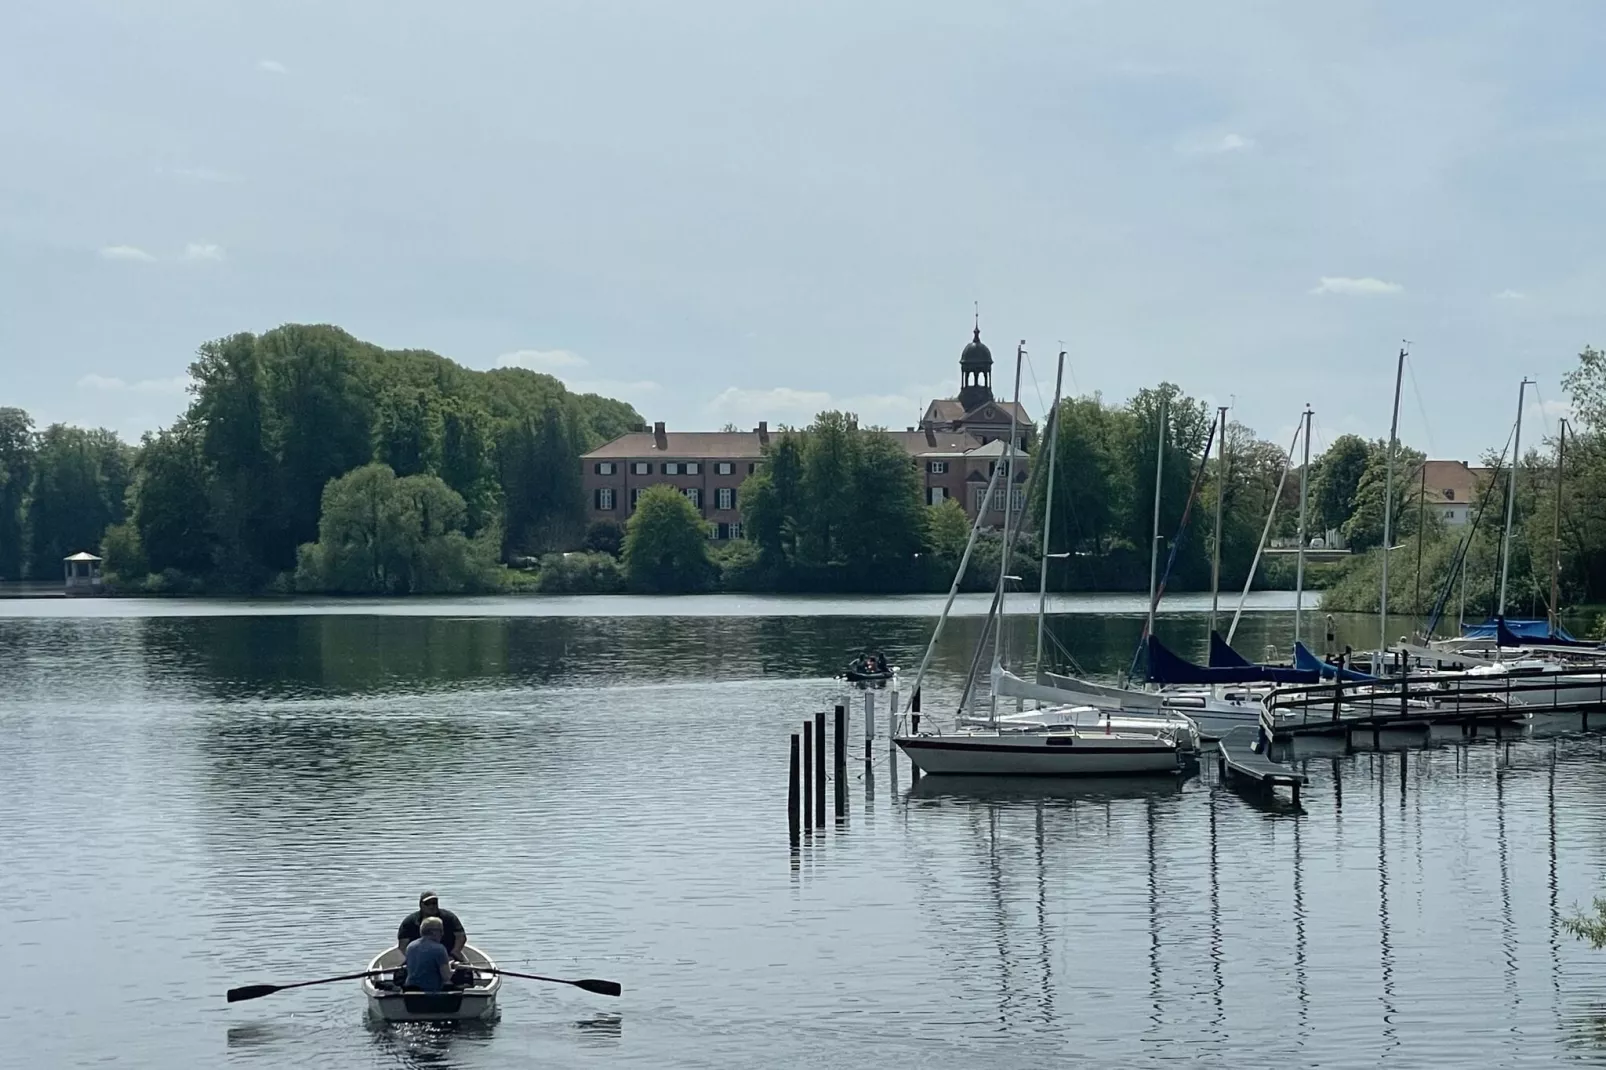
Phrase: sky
x=735 y=210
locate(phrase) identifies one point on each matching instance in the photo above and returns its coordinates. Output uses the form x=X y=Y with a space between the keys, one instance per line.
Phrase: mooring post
x=841 y=754
x=1405 y=758
x=869 y=726
x=819 y=769
x=793 y=801
x=1338 y=689
x=808 y=774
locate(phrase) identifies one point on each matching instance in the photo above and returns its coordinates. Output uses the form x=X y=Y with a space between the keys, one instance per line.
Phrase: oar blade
x=251 y=992
x=601 y=988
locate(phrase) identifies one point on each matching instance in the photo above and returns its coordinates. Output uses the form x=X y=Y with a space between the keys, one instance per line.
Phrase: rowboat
x=389 y=1001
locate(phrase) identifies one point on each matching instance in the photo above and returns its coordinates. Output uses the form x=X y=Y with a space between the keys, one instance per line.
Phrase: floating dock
x=1240 y=761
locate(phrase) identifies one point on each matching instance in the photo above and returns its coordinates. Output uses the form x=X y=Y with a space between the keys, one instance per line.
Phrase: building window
x=605 y=468
x=671 y=468
x=724 y=468
x=1449 y=514
x=694 y=496
x=936 y=495
x=642 y=468
x=725 y=497
x=736 y=530
x=1017 y=499
x=692 y=468
x=635 y=493
x=1449 y=495
x=604 y=498
x=752 y=467
x=714 y=531
x=937 y=468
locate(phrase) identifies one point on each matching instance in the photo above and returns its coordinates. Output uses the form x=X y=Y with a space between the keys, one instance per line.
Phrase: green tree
x=1336 y=479
x=1085 y=493
x=80 y=484
x=1364 y=528
x=886 y=525
x=380 y=534
x=16 y=476
x=832 y=455
x=605 y=537
x=771 y=501
x=666 y=544
x=948 y=530
x=172 y=503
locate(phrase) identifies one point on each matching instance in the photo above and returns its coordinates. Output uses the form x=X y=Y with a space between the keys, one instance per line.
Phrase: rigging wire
x=1421 y=407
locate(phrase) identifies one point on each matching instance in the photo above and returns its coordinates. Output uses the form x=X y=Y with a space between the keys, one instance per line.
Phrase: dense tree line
x=229 y=495
x=1534 y=548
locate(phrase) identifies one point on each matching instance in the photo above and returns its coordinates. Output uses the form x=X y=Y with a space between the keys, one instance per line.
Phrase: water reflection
x=428 y=1044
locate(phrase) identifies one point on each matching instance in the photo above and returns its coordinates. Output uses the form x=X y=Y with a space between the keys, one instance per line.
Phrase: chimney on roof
x=909 y=428
x=660 y=438
x=931 y=437
x=763 y=433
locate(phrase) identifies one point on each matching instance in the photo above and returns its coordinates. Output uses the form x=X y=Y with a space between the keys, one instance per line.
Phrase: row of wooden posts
x=806 y=784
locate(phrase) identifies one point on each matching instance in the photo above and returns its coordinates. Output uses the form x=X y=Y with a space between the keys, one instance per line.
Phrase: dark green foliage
x=17 y=450
x=80 y=483
x=580 y=573
x=605 y=537
x=666 y=544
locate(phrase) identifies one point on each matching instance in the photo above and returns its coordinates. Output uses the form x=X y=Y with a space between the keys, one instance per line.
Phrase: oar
x=258 y=991
x=601 y=988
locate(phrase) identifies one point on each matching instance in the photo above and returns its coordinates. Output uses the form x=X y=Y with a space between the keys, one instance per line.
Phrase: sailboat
x=1064 y=739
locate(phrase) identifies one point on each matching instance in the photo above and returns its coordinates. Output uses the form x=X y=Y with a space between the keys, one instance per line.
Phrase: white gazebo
x=82 y=573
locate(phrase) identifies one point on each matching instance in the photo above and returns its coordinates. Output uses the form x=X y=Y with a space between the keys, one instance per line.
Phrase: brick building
x=956 y=446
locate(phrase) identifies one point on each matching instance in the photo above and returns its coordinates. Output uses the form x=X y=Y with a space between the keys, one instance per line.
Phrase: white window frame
x=713 y=531
x=605 y=468
x=1017 y=499
x=671 y=468
x=936 y=495
x=937 y=468
x=692 y=468
x=725 y=498
x=635 y=496
x=724 y=468
x=642 y=468
x=736 y=529
x=695 y=496
x=605 y=499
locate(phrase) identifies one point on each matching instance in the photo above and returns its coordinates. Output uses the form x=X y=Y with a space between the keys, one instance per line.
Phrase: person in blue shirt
x=429 y=964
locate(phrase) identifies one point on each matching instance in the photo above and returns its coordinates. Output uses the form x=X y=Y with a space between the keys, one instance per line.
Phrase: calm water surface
x=197 y=799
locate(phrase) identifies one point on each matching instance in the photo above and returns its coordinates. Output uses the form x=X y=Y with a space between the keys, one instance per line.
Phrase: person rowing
x=429 y=965
x=429 y=906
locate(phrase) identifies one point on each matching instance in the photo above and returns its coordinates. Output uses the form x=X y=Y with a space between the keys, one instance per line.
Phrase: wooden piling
x=869 y=727
x=793 y=799
x=819 y=768
x=841 y=754
x=808 y=774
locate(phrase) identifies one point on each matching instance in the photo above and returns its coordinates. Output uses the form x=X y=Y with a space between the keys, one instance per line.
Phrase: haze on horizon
x=735 y=211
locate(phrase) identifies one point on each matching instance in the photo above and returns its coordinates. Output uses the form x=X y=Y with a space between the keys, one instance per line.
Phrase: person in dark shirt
x=429 y=906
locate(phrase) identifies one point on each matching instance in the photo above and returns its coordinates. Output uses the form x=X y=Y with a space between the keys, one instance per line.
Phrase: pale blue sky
x=743 y=210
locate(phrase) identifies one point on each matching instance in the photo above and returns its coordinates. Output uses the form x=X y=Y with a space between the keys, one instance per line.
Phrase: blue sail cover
x=1223 y=656
x=1165 y=667
x=1508 y=633
x=1304 y=659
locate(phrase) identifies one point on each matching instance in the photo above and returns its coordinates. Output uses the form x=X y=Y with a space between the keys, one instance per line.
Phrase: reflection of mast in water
x=995 y=882
x=1300 y=988
x=1555 y=916
x=1385 y=949
x=1508 y=942
x=1154 y=918
x=1045 y=958
x=1215 y=921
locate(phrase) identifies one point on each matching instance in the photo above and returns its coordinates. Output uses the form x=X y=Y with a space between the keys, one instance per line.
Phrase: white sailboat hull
x=1043 y=754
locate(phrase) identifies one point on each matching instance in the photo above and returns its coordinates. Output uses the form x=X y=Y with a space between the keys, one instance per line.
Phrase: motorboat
x=389 y=1001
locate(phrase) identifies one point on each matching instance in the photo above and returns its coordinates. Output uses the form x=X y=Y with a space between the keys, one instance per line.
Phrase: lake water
x=204 y=795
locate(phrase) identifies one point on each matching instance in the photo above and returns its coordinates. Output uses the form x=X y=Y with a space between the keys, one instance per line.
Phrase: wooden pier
x=1418 y=702
x=1239 y=761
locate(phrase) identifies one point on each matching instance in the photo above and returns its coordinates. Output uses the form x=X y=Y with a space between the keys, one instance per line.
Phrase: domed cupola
x=975 y=373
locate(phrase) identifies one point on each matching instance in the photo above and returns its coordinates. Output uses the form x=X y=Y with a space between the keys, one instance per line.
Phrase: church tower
x=975 y=373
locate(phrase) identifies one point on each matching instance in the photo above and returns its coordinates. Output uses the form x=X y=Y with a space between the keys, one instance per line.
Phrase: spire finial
x=976 y=333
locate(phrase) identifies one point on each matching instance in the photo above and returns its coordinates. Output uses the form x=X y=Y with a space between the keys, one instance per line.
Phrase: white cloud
x=1511 y=295
x=175 y=385
x=1206 y=145
x=1362 y=287
x=541 y=360
x=203 y=251
x=125 y=252
x=1234 y=143
x=272 y=66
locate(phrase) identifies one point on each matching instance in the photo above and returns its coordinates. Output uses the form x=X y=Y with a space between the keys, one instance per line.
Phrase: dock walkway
x=1239 y=760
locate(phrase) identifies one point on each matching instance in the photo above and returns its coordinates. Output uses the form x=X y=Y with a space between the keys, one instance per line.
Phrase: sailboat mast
x=1154 y=543
x=1304 y=534
x=1003 y=557
x=1221 y=497
x=1511 y=498
x=1388 y=513
x=1048 y=510
x=1421 y=519
x=1555 y=539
